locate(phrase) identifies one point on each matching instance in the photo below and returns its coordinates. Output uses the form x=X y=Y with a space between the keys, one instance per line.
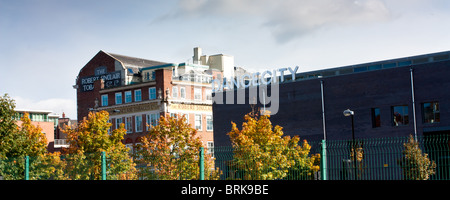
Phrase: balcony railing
x=61 y=143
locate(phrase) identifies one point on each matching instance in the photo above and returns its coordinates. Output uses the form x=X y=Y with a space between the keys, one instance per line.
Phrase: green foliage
x=360 y=167
x=17 y=142
x=261 y=153
x=171 y=152
x=8 y=126
x=88 y=140
x=415 y=164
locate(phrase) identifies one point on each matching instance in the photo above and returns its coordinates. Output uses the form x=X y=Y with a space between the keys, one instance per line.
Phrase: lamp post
x=351 y=113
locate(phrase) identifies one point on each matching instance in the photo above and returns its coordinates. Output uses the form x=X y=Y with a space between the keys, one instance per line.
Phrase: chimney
x=197 y=54
x=63 y=115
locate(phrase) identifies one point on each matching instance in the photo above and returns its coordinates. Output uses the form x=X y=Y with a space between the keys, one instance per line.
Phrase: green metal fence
x=385 y=159
x=241 y=164
x=376 y=159
x=66 y=167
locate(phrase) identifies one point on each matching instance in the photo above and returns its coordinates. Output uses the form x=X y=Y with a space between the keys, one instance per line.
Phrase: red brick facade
x=86 y=100
x=136 y=113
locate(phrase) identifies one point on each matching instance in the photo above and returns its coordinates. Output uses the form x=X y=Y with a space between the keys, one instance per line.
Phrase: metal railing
x=387 y=159
x=60 y=143
x=377 y=159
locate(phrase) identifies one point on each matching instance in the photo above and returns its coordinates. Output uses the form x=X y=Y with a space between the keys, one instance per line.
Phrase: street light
x=348 y=112
x=351 y=113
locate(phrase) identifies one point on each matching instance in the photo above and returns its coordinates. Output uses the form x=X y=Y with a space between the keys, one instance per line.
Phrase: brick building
x=136 y=91
x=390 y=98
x=60 y=136
x=44 y=119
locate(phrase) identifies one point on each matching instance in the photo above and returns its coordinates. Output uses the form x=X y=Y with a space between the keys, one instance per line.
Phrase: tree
x=16 y=142
x=88 y=140
x=8 y=126
x=261 y=153
x=170 y=151
x=415 y=164
x=35 y=142
x=356 y=162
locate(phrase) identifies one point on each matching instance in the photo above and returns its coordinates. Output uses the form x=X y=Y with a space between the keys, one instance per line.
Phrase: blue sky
x=44 y=43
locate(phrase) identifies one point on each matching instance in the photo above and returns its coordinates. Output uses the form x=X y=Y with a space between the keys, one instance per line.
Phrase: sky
x=45 y=43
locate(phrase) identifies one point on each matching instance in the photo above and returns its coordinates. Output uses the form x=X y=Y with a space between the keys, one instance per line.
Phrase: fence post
x=202 y=164
x=27 y=168
x=323 y=161
x=103 y=157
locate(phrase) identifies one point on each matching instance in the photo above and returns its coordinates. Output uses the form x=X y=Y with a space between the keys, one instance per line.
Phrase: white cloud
x=290 y=19
x=57 y=106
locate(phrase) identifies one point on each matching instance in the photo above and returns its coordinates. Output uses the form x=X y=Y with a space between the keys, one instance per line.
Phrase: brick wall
x=85 y=100
x=48 y=128
x=300 y=111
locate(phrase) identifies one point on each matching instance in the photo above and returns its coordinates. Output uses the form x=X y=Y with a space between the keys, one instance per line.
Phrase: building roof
x=33 y=111
x=371 y=66
x=133 y=64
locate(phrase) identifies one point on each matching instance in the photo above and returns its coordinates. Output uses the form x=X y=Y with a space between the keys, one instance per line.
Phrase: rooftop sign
x=259 y=90
x=255 y=79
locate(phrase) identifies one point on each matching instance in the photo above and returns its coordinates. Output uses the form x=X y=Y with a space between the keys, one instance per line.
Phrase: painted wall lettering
x=112 y=79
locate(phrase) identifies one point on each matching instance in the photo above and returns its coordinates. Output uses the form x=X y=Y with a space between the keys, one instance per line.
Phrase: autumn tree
x=170 y=151
x=359 y=164
x=415 y=164
x=262 y=153
x=26 y=140
x=88 y=140
x=16 y=142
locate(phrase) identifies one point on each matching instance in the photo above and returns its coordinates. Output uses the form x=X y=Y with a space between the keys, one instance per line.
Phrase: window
x=210 y=147
x=360 y=69
x=198 y=93
x=137 y=95
x=150 y=76
x=431 y=112
x=105 y=100
x=404 y=63
x=127 y=96
x=400 y=115
x=376 y=122
x=152 y=93
x=130 y=147
x=174 y=91
x=198 y=122
x=119 y=98
x=182 y=92
x=389 y=65
x=174 y=115
x=374 y=67
x=128 y=125
x=118 y=122
x=209 y=123
x=186 y=116
x=208 y=94
x=110 y=128
x=152 y=120
x=138 y=123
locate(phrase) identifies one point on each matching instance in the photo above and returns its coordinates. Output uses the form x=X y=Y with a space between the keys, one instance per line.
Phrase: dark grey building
x=389 y=98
